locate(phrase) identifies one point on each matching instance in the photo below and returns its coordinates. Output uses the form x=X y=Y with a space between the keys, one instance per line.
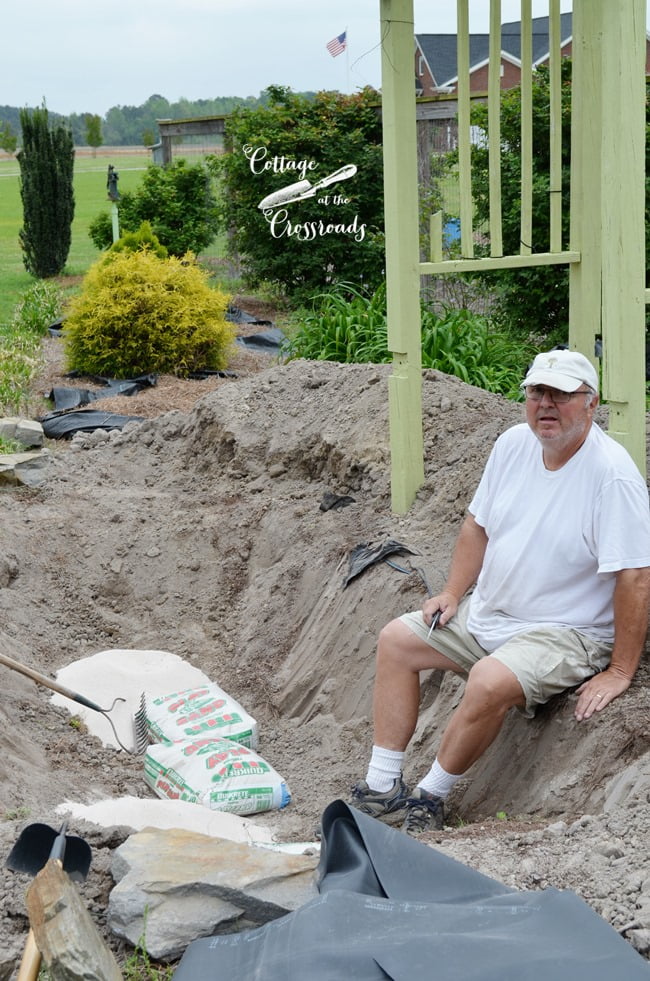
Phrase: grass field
x=90 y=199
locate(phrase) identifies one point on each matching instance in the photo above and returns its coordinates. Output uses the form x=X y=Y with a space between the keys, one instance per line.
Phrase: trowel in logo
x=304 y=189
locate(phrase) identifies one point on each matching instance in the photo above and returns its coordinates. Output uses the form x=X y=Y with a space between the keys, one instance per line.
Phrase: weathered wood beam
x=65 y=934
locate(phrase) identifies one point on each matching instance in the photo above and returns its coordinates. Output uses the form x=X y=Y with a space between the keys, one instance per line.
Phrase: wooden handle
x=47 y=682
x=31 y=961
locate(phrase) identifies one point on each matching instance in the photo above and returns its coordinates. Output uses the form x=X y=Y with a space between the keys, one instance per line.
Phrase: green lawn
x=90 y=199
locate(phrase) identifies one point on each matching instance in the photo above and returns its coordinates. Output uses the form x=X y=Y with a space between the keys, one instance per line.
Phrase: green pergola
x=606 y=255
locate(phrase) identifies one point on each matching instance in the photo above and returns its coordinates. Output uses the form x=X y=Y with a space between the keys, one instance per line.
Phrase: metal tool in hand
x=434 y=622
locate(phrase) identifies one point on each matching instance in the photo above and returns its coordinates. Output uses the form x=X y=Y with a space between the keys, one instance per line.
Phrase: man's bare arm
x=631 y=603
x=466 y=563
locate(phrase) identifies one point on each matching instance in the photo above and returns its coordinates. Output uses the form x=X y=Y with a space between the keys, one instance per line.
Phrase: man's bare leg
x=491 y=691
x=401 y=656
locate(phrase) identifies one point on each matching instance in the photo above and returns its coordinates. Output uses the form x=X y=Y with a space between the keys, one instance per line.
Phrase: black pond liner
x=63 y=425
x=69 y=416
x=266 y=342
x=237 y=316
x=392 y=907
x=65 y=397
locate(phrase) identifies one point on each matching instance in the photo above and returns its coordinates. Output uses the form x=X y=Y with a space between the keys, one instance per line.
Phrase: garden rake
x=140 y=732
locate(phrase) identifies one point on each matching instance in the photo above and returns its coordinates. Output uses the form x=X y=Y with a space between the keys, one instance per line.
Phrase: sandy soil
x=200 y=531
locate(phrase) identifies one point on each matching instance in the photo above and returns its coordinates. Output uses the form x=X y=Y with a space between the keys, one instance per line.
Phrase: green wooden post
x=585 y=235
x=555 y=85
x=494 y=130
x=623 y=218
x=464 y=143
x=608 y=209
x=402 y=251
x=526 y=224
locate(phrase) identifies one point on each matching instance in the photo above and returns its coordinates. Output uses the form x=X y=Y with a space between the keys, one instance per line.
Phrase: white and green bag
x=217 y=773
x=197 y=713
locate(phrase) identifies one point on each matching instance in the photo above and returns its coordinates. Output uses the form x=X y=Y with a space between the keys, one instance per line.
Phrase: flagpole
x=347 y=61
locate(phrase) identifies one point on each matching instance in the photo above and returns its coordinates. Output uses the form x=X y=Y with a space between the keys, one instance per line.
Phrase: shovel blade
x=35 y=846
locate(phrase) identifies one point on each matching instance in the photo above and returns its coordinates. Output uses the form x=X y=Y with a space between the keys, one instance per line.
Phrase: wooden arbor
x=607 y=247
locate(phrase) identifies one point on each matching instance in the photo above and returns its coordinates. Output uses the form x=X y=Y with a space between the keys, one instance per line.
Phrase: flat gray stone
x=29 y=432
x=26 y=431
x=28 y=468
x=175 y=886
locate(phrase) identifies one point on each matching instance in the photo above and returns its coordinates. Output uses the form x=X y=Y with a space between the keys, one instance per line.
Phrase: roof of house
x=440 y=50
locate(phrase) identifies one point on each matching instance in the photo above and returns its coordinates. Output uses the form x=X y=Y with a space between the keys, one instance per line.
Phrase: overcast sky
x=84 y=56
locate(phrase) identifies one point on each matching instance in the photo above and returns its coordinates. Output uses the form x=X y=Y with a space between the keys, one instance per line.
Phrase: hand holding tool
x=434 y=622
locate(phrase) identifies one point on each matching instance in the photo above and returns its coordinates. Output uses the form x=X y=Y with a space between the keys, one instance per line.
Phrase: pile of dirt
x=205 y=531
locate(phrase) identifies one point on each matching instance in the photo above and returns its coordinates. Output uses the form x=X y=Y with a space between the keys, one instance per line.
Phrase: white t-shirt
x=556 y=537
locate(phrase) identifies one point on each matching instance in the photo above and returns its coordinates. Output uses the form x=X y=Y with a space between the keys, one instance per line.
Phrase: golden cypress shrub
x=138 y=313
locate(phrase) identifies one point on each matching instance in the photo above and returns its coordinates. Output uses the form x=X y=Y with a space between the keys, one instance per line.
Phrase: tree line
x=129 y=125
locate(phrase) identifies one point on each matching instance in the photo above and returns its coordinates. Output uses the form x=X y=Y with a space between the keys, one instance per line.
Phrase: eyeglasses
x=537 y=392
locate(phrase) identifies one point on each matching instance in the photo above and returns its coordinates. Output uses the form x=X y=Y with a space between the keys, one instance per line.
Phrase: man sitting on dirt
x=549 y=588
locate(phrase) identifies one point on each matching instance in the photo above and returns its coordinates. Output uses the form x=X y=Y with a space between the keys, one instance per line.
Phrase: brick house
x=436 y=70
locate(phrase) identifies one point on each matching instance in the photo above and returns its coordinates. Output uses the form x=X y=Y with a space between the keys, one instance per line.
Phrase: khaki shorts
x=545 y=661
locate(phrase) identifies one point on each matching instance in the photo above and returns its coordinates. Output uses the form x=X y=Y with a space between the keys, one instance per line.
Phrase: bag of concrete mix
x=217 y=773
x=205 y=711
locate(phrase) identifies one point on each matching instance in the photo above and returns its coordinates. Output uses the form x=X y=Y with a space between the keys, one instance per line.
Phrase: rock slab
x=176 y=886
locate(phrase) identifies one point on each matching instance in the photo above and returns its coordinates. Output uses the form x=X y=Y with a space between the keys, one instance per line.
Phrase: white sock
x=384 y=768
x=438 y=781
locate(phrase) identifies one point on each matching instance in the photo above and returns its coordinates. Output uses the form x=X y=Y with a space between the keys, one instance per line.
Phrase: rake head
x=140 y=728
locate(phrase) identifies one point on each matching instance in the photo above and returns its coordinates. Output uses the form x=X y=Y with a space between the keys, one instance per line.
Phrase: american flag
x=337 y=45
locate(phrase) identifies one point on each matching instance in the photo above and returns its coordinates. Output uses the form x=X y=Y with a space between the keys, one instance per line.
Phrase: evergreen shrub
x=178 y=201
x=137 y=313
x=143 y=238
x=46 y=162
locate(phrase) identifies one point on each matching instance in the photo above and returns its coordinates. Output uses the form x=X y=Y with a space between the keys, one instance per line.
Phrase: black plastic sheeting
x=56 y=327
x=235 y=315
x=65 y=397
x=265 y=342
x=364 y=555
x=334 y=502
x=391 y=907
x=204 y=373
x=63 y=425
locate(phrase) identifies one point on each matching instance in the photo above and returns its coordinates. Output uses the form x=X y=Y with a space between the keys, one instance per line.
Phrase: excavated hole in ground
x=200 y=532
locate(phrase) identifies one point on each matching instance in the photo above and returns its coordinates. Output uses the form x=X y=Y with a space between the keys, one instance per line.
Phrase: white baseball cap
x=566 y=370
